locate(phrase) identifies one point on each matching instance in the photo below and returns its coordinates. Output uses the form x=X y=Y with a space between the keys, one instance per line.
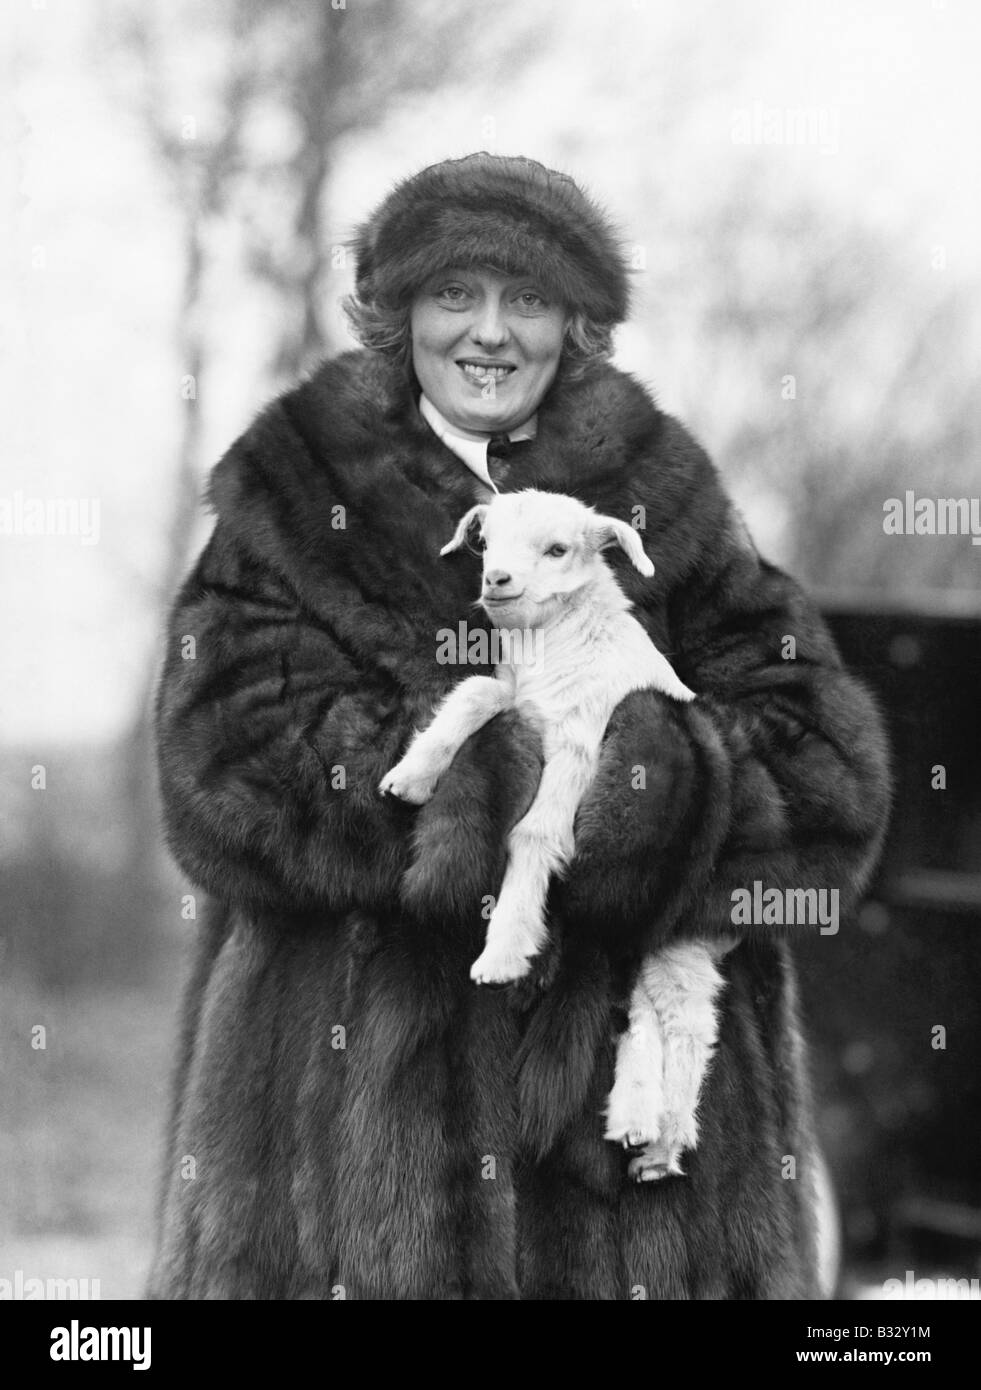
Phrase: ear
x=476 y=513
x=607 y=530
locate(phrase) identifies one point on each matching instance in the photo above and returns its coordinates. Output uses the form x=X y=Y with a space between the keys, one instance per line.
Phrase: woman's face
x=485 y=346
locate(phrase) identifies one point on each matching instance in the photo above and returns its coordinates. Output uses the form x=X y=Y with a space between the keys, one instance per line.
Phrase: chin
x=517 y=614
x=487 y=415
x=498 y=412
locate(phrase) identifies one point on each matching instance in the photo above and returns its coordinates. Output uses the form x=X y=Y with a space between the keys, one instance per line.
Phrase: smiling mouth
x=500 y=601
x=484 y=371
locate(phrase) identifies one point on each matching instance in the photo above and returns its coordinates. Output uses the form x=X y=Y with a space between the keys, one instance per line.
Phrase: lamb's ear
x=476 y=513
x=607 y=531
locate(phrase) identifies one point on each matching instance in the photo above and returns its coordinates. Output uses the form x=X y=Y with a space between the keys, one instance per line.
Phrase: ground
x=81 y=1128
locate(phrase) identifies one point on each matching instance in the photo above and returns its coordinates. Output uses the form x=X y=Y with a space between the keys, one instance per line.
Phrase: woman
x=352 y=1117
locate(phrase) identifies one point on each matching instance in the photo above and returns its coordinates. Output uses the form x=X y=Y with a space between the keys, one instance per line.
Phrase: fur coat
x=351 y=1116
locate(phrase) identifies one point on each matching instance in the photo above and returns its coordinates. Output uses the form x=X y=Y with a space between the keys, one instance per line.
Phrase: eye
x=531 y=299
x=557 y=550
x=452 y=294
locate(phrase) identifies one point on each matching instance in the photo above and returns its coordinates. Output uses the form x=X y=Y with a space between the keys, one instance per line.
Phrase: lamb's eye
x=556 y=550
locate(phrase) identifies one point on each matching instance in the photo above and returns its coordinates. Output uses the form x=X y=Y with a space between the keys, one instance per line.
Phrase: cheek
x=546 y=347
x=428 y=332
x=418 y=325
x=542 y=574
x=562 y=573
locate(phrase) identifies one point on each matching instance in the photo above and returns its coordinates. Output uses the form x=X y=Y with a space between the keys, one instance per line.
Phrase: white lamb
x=544 y=575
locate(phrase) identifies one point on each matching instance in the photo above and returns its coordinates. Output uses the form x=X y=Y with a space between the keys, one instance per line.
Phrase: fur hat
x=509 y=213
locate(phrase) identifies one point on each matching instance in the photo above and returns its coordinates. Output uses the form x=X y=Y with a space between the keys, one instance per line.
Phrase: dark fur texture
x=453 y=1148
x=497 y=210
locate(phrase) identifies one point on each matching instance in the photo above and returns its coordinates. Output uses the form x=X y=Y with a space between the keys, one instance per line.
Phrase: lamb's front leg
x=540 y=844
x=467 y=708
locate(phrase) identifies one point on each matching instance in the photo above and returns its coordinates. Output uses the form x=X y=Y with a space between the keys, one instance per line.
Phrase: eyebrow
x=462 y=272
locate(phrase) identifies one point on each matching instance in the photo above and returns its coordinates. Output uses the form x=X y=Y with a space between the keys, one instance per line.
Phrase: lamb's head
x=541 y=549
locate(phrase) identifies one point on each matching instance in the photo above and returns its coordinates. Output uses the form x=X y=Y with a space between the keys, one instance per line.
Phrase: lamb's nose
x=495 y=579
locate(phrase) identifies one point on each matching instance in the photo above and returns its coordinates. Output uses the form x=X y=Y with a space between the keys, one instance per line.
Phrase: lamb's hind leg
x=636 y=1103
x=663 y=1058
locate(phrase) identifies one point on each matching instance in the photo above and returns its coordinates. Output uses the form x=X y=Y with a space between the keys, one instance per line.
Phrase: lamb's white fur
x=593 y=653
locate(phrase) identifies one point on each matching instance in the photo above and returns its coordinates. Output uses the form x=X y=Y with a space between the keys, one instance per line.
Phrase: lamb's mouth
x=501 y=601
x=482 y=372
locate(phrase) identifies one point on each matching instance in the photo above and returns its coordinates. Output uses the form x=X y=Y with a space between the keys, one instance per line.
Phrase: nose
x=489 y=329
x=496 y=579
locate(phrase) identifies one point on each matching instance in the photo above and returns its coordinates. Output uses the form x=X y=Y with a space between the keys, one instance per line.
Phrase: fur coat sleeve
x=776 y=775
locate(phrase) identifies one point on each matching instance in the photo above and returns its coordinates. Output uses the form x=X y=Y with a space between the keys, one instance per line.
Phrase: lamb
x=543 y=573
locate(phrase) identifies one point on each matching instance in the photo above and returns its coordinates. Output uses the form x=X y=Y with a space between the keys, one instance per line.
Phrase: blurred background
x=798 y=187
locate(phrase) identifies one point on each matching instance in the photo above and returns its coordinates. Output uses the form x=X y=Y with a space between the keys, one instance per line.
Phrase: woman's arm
x=269 y=739
x=777 y=773
x=272 y=739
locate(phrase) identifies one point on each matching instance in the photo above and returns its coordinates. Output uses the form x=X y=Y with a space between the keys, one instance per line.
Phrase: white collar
x=469 y=445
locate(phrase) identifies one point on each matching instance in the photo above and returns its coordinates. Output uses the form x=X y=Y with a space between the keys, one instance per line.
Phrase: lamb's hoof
x=404 y=786
x=496 y=969
x=643 y=1171
x=633 y=1116
x=654 y=1162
